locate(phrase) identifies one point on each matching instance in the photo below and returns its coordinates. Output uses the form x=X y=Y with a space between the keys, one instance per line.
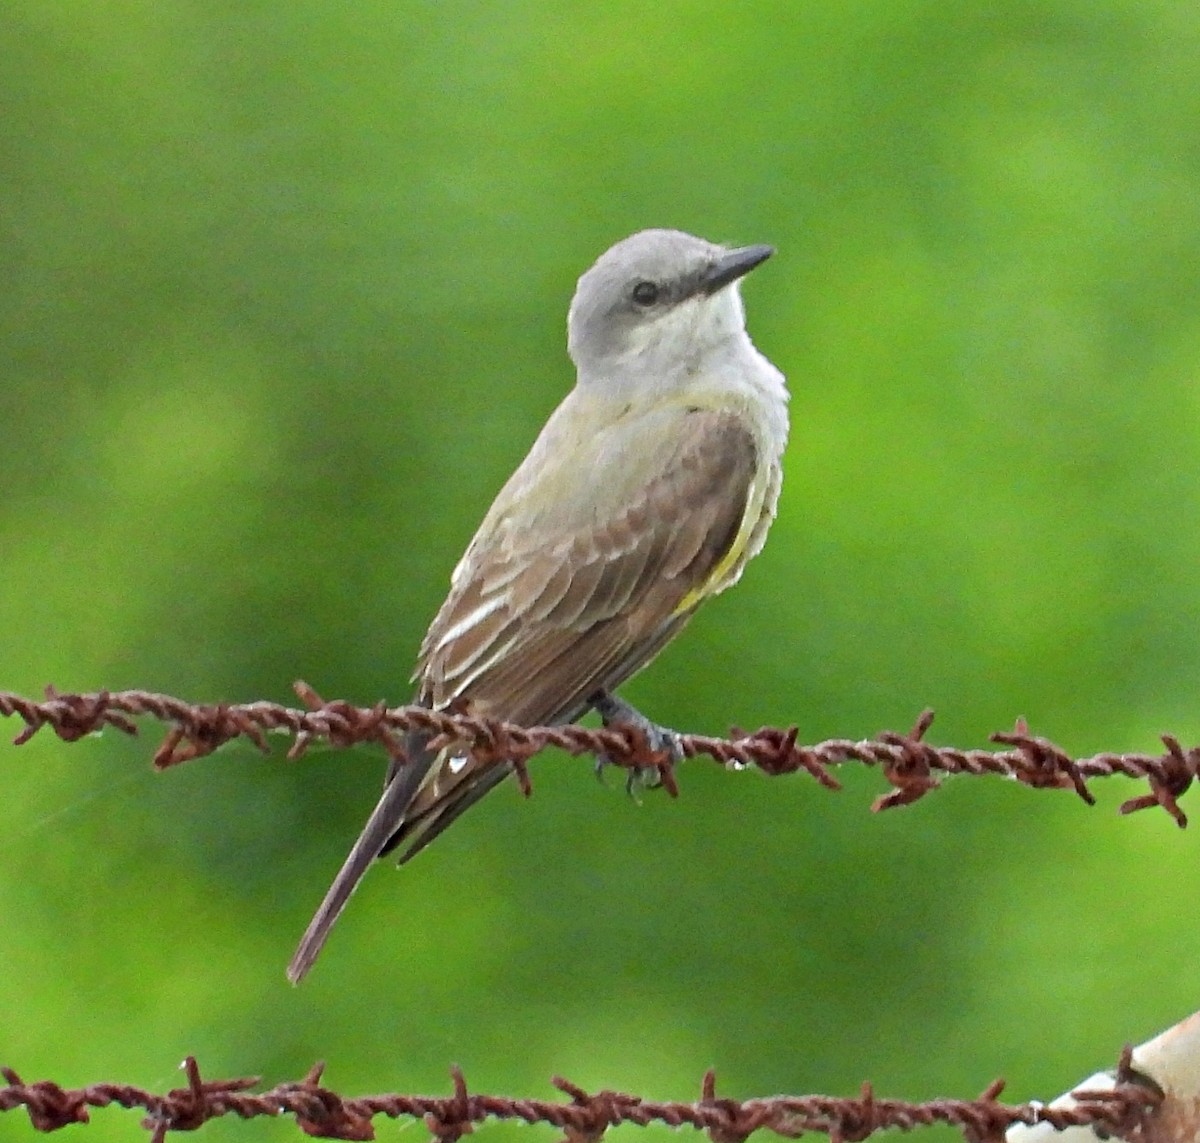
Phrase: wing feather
x=543 y=605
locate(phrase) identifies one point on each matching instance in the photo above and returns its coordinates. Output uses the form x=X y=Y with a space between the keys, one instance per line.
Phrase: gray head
x=655 y=302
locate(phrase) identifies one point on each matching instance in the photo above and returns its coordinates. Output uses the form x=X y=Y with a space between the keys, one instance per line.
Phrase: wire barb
x=907 y=761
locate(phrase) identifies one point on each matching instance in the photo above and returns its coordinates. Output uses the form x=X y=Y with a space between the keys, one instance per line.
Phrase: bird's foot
x=616 y=712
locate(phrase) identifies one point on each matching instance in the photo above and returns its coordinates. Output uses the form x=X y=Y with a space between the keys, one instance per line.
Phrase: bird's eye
x=645 y=293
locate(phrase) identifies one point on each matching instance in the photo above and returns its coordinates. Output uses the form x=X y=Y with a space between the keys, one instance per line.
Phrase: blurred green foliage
x=284 y=289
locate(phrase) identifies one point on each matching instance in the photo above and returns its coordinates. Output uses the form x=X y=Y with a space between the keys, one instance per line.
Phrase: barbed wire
x=906 y=760
x=1122 y=1110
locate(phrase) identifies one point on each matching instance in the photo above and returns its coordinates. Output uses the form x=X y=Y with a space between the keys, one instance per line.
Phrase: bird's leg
x=615 y=711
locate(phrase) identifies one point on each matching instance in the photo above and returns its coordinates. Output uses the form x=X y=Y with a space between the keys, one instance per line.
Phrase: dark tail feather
x=419 y=832
x=386 y=818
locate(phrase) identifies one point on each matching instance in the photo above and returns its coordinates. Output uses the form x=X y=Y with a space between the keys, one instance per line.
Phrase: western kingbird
x=647 y=491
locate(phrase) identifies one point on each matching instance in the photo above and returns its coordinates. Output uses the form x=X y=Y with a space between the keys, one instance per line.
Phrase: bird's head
x=657 y=303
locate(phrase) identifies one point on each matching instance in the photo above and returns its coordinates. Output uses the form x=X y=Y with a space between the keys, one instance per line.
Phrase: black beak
x=732 y=265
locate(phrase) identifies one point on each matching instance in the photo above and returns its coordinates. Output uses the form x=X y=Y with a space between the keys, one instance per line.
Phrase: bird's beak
x=732 y=265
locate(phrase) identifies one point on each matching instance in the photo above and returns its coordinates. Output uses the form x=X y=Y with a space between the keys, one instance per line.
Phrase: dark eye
x=645 y=293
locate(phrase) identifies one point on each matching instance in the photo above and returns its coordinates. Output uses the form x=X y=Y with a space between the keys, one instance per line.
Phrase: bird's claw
x=616 y=712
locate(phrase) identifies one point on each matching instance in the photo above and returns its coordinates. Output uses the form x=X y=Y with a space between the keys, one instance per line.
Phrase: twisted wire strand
x=583 y=1117
x=909 y=764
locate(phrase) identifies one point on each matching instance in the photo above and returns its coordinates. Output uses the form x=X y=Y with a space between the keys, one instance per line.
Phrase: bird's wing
x=536 y=624
x=544 y=612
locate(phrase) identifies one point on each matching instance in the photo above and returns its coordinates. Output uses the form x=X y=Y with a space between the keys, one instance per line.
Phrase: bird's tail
x=386 y=818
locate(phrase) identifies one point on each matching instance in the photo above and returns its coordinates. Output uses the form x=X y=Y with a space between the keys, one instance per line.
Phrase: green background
x=283 y=300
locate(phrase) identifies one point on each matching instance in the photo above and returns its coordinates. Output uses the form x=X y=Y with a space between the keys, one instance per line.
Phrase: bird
x=647 y=491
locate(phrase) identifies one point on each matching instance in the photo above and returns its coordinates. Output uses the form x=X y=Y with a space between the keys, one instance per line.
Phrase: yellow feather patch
x=727 y=569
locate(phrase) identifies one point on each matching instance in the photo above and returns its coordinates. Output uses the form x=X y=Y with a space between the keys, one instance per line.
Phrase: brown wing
x=531 y=630
x=536 y=623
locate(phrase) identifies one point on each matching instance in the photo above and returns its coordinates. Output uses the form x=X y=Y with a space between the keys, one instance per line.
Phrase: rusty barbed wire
x=908 y=763
x=583 y=1117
